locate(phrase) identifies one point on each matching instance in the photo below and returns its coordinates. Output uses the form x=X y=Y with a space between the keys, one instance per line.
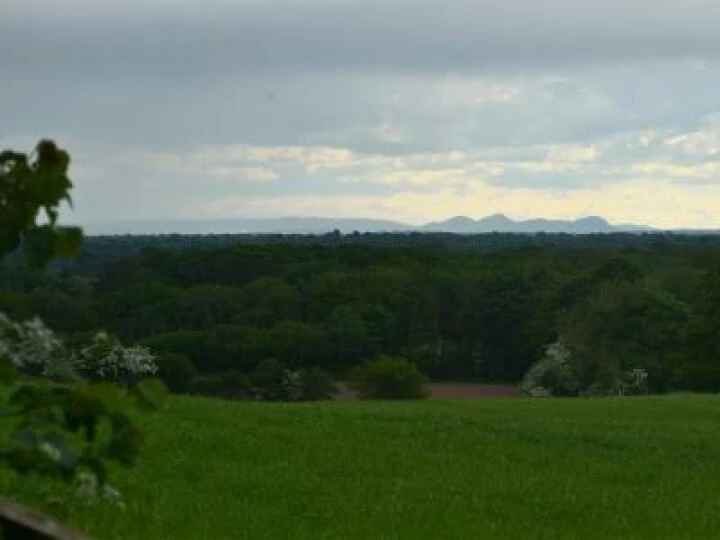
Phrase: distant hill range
x=502 y=223
x=312 y=225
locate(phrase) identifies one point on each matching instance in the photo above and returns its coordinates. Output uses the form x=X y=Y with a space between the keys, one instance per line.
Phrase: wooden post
x=18 y=522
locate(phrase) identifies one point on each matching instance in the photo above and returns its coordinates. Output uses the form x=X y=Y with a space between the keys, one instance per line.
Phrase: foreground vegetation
x=520 y=468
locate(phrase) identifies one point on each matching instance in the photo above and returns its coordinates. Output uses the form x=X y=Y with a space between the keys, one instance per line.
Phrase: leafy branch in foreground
x=29 y=186
x=74 y=428
x=64 y=429
x=58 y=426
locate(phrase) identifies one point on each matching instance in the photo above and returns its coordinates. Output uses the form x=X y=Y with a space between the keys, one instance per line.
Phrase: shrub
x=105 y=359
x=204 y=385
x=316 y=384
x=176 y=371
x=229 y=385
x=65 y=431
x=30 y=345
x=557 y=375
x=553 y=372
x=389 y=378
x=271 y=381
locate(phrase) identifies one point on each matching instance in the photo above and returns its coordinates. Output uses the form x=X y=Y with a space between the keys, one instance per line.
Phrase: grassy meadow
x=517 y=468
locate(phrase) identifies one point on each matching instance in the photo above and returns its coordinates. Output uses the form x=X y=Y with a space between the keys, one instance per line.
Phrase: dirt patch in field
x=453 y=391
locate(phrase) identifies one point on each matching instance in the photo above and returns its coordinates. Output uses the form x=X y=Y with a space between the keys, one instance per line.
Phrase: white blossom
x=30 y=345
x=106 y=358
x=88 y=488
x=35 y=349
x=555 y=367
x=51 y=451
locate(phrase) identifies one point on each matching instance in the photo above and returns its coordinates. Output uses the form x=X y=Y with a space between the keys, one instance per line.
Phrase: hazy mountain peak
x=593 y=220
x=316 y=225
x=501 y=223
x=498 y=217
x=460 y=220
x=496 y=221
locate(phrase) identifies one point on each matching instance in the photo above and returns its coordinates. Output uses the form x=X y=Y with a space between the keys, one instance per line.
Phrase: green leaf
x=8 y=373
x=90 y=424
x=9 y=241
x=27 y=396
x=26 y=438
x=24 y=460
x=57 y=414
x=73 y=422
x=42 y=417
x=97 y=399
x=39 y=397
x=69 y=240
x=40 y=245
x=125 y=442
x=151 y=394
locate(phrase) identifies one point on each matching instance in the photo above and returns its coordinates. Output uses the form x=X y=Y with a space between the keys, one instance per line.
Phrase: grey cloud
x=321 y=36
x=394 y=78
x=169 y=74
x=428 y=114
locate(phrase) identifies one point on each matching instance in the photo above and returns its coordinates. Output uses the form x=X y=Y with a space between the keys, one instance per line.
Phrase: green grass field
x=631 y=468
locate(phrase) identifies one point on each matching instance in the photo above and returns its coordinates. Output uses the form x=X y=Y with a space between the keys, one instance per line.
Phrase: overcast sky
x=415 y=110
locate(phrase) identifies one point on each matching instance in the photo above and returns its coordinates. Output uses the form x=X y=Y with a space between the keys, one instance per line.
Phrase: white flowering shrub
x=34 y=350
x=31 y=346
x=628 y=383
x=557 y=373
x=106 y=359
x=553 y=373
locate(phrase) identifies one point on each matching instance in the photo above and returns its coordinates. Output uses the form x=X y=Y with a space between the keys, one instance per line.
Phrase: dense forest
x=480 y=307
x=98 y=251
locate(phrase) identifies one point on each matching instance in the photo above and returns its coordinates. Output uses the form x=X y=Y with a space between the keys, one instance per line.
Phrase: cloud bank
x=413 y=109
